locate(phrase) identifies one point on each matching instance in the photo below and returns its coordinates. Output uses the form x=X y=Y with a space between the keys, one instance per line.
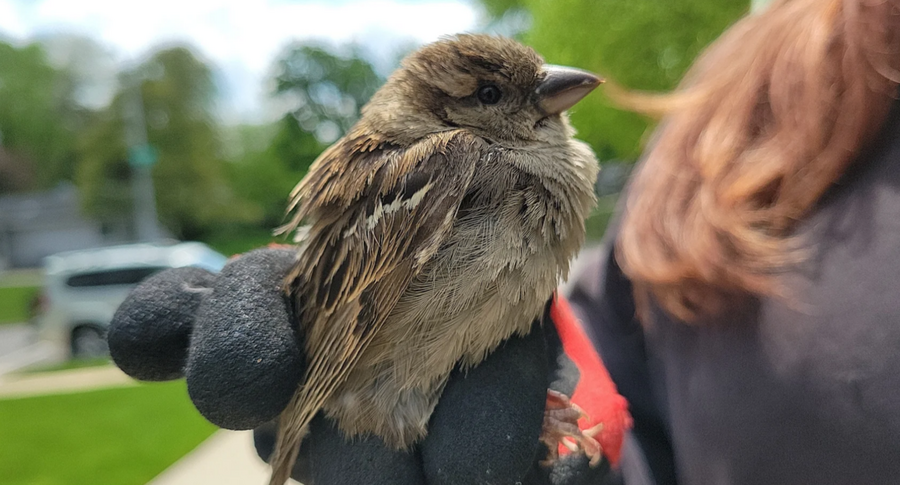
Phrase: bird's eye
x=489 y=94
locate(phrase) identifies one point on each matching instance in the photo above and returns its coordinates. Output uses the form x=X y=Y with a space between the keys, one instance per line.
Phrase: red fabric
x=595 y=393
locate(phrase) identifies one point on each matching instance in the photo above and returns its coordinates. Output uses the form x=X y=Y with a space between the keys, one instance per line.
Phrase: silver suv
x=82 y=289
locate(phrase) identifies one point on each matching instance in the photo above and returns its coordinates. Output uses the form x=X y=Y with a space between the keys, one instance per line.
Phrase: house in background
x=37 y=224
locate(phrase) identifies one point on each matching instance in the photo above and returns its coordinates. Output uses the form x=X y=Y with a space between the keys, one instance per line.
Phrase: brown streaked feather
x=378 y=212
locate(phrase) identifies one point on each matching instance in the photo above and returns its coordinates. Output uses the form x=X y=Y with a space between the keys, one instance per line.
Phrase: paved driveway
x=20 y=347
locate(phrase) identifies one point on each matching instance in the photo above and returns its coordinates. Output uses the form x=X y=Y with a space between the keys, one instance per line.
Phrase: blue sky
x=240 y=38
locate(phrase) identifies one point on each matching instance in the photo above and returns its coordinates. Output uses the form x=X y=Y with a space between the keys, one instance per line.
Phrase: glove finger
x=573 y=470
x=150 y=331
x=336 y=460
x=245 y=359
x=486 y=426
x=264 y=441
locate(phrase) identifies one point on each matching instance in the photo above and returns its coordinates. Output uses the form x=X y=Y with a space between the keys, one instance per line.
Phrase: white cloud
x=11 y=23
x=241 y=37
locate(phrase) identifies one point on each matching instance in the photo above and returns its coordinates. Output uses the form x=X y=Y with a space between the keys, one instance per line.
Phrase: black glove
x=231 y=335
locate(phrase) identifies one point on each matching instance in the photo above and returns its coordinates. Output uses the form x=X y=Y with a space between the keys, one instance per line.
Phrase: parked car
x=82 y=289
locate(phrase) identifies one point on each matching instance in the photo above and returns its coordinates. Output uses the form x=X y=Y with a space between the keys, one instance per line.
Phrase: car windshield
x=114 y=277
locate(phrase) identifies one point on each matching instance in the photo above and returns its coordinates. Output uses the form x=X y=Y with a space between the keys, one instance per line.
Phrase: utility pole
x=141 y=157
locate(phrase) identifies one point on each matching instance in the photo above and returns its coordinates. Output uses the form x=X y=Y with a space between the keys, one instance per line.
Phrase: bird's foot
x=560 y=427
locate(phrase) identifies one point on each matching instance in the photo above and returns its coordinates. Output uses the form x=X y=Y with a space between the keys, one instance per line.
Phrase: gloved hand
x=230 y=335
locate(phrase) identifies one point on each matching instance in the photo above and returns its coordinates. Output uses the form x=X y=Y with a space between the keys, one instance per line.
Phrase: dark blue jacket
x=799 y=391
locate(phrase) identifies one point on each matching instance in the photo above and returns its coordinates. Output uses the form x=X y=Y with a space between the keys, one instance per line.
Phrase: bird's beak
x=562 y=87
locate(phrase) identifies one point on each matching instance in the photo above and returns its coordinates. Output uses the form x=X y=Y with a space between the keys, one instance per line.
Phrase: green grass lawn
x=116 y=436
x=14 y=301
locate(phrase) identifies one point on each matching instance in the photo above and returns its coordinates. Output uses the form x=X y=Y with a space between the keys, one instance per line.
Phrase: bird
x=435 y=229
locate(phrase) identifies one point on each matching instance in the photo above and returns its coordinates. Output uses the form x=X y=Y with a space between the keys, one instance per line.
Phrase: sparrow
x=435 y=229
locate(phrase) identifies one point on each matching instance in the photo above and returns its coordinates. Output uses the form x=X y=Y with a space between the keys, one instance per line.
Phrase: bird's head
x=493 y=86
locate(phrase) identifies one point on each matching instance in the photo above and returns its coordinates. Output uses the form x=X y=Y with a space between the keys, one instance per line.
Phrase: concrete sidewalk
x=20 y=347
x=225 y=458
x=61 y=382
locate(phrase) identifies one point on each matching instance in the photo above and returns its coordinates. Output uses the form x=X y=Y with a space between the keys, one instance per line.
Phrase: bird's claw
x=560 y=427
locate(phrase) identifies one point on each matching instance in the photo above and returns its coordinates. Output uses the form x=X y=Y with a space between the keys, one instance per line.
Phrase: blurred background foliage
x=324 y=90
x=193 y=194
x=38 y=120
x=222 y=183
x=640 y=44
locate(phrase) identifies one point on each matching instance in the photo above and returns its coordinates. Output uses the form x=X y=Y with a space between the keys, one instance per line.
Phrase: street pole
x=141 y=158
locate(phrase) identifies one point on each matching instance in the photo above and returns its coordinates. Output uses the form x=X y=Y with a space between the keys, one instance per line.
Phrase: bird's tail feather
x=323 y=378
x=292 y=427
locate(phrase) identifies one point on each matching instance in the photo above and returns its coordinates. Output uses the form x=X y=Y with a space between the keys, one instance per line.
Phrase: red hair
x=768 y=118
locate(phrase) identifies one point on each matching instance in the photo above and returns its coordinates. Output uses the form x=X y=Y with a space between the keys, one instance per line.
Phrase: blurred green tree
x=327 y=87
x=641 y=44
x=90 y=67
x=324 y=90
x=265 y=175
x=193 y=195
x=498 y=8
x=39 y=119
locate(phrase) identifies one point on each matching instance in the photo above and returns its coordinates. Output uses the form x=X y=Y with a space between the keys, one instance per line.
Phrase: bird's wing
x=378 y=213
